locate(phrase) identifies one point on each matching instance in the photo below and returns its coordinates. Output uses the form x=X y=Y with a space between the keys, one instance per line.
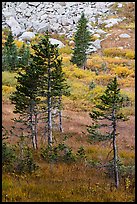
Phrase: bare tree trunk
x=49 y=122
x=115 y=152
x=49 y=107
x=36 y=132
x=32 y=125
x=60 y=115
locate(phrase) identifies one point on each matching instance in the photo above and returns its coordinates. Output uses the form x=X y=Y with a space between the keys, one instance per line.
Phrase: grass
x=63 y=183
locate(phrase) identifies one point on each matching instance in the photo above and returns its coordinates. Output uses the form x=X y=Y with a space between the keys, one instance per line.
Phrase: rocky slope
x=59 y=17
x=25 y=19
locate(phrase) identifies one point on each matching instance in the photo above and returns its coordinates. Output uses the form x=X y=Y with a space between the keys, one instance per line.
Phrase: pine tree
x=60 y=87
x=24 y=55
x=9 y=55
x=47 y=56
x=108 y=109
x=26 y=98
x=82 y=42
x=41 y=78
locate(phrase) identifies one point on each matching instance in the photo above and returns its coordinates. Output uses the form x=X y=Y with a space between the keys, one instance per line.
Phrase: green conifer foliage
x=82 y=41
x=41 y=78
x=106 y=115
x=9 y=55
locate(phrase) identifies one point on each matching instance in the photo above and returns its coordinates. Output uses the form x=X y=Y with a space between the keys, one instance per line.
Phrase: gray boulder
x=27 y=36
x=55 y=41
x=14 y=25
x=124 y=35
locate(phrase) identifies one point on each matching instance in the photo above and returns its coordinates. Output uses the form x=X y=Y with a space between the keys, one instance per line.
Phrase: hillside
x=113 y=52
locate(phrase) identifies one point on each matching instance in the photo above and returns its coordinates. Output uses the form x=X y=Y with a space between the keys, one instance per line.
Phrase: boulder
x=124 y=35
x=43 y=27
x=55 y=41
x=14 y=25
x=27 y=36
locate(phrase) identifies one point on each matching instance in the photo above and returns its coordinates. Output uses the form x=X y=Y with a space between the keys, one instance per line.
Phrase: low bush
x=8 y=157
x=25 y=164
x=117 y=52
x=61 y=152
x=8 y=79
x=66 y=50
x=121 y=71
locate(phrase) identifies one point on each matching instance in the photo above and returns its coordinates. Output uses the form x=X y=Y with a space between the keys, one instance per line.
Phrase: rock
x=27 y=36
x=96 y=43
x=100 y=31
x=112 y=21
x=14 y=25
x=43 y=17
x=43 y=28
x=34 y=3
x=124 y=35
x=55 y=41
x=71 y=42
x=55 y=26
x=120 y=5
x=96 y=35
x=59 y=17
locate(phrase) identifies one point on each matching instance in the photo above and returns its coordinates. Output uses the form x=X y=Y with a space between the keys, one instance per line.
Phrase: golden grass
x=63 y=183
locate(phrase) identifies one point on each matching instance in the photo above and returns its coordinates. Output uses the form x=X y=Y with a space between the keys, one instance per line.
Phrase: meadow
x=83 y=179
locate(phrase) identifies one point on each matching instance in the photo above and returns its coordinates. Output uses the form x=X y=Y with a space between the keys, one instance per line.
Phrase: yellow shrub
x=7 y=89
x=96 y=93
x=122 y=71
x=67 y=50
x=18 y=43
x=103 y=79
x=128 y=53
x=95 y=62
x=118 y=60
x=8 y=79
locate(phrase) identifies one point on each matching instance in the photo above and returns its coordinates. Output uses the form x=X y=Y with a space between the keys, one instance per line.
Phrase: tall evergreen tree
x=47 y=56
x=26 y=98
x=108 y=110
x=9 y=54
x=82 y=42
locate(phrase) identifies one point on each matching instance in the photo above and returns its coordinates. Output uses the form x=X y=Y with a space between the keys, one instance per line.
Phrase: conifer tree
x=107 y=109
x=47 y=56
x=82 y=42
x=9 y=55
x=26 y=98
x=24 y=55
x=41 y=78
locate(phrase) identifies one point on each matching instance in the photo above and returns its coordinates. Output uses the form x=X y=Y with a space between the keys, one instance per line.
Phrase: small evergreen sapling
x=107 y=111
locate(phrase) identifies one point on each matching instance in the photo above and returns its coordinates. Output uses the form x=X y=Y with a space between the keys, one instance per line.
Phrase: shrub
x=25 y=164
x=61 y=152
x=130 y=54
x=65 y=50
x=122 y=71
x=8 y=157
x=81 y=153
x=8 y=79
x=92 y=85
x=113 y=52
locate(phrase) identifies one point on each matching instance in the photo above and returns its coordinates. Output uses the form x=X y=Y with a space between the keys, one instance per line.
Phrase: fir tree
x=26 y=98
x=82 y=42
x=9 y=55
x=24 y=55
x=107 y=109
x=53 y=79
